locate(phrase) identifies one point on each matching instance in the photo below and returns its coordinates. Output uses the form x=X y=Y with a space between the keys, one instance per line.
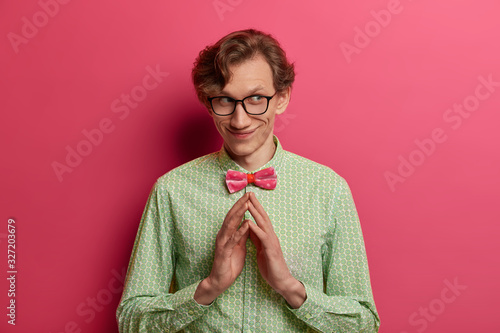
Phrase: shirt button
x=191 y=312
x=308 y=316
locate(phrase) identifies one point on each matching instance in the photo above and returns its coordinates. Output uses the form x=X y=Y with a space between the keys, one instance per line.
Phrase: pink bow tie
x=237 y=181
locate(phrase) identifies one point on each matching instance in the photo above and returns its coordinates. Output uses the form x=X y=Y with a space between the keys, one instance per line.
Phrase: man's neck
x=257 y=159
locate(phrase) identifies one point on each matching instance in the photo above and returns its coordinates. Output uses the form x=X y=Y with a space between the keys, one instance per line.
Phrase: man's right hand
x=230 y=252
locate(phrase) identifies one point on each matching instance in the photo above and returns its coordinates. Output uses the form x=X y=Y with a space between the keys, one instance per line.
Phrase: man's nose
x=240 y=119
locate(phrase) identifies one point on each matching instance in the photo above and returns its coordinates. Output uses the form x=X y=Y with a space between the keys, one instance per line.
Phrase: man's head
x=247 y=65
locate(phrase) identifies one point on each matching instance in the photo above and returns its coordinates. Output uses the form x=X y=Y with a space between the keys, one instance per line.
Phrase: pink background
x=364 y=103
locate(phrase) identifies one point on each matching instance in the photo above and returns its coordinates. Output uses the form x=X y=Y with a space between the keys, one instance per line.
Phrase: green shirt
x=315 y=219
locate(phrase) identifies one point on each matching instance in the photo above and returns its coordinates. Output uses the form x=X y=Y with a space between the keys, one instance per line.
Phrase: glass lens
x=256 y=104
x=223 y=105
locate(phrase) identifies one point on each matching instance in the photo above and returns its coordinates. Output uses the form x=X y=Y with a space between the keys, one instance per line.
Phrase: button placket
x=250 y=305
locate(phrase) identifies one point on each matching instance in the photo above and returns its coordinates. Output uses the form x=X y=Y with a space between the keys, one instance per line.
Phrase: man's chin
x=239 y=150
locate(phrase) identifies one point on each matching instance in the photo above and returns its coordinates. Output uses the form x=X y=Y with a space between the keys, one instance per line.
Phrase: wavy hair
x=211 y=72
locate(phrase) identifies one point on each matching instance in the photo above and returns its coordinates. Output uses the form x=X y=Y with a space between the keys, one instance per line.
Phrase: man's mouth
x=242 y=135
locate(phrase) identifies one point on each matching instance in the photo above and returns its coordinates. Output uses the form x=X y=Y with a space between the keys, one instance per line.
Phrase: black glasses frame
x=242 y=103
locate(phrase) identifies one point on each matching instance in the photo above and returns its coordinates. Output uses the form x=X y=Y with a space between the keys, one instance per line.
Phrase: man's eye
x=255 y=99
x=226 y=100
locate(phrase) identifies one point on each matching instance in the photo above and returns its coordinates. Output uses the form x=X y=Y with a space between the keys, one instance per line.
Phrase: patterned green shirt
x=315 y=219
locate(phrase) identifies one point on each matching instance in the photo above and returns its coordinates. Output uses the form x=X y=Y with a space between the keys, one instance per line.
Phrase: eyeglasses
x=254 y=104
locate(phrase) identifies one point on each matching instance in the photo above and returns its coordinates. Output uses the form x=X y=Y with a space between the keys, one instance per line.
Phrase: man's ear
x=283 y=100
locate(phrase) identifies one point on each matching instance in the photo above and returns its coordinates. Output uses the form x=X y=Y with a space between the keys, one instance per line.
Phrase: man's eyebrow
x=249 y=93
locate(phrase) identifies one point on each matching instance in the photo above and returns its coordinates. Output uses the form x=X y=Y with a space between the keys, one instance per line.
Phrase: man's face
x=249 y=138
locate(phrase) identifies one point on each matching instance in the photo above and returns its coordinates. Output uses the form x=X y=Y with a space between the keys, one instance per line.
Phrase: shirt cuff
x=317 y=303
x=186 y=308
x=307 y=312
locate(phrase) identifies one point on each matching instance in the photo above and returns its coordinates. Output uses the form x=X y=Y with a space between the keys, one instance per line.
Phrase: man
x=257 y=238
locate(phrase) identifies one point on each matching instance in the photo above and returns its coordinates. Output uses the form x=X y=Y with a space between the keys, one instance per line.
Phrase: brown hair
x=211 y=72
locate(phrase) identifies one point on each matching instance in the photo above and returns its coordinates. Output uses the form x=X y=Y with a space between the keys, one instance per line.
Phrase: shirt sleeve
x=346 y=302
x=146 y=304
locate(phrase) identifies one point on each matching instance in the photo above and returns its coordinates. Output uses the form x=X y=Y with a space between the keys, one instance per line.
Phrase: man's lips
x=241 y=135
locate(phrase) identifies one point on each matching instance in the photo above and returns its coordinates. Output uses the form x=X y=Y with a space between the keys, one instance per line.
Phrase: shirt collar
x=226 y=163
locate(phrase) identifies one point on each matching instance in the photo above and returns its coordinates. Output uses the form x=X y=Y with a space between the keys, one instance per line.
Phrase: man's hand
x=230 y=252
x=270 y=260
